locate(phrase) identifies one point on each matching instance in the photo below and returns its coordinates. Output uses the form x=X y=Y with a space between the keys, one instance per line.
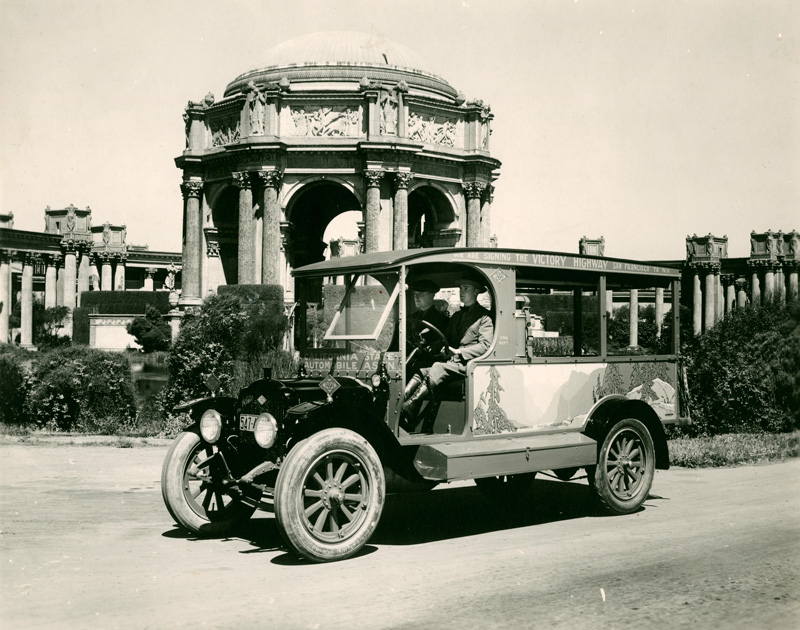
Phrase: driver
x=469 y=334
x=424 y=291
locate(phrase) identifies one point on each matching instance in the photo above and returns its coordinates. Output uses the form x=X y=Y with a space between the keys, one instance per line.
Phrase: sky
x=635 y=120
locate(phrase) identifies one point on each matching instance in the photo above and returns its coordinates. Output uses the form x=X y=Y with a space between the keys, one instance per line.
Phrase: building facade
x=333 y=122
x=70 y=257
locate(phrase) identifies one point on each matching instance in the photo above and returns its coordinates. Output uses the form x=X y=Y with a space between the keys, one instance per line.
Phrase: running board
x=488 y=457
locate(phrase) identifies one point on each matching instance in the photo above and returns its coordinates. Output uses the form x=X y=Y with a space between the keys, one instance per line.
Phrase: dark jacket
x=471 y=329
x=433 y=316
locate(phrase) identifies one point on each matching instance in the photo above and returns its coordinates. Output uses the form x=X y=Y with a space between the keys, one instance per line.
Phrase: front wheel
x=625 y=467
x=329 y=495
x=191 y=485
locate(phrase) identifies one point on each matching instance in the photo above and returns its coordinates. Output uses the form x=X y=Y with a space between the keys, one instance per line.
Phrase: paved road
x=86 y=543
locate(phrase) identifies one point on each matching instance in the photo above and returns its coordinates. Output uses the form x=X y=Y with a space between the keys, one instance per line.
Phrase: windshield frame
x=331 y=336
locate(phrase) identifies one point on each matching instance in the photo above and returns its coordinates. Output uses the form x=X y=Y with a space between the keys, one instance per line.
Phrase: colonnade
x=276 y=233
x=716 y=294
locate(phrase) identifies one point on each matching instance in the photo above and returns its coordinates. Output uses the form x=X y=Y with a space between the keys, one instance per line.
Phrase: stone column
x=697 y=302
x=473 y=192
x=50 y=282
x=83 y=271
x=94 y=273
x=730 y=293
x=192 y=242
x=119 y=275
x=486 y=211
x=286 y=277
x=780 y=284
x=26 y=311
x=70 y=275
x=659 y=309
x=59 y=259
x=741 y=293
x=246 y=245
x=271 y=228
x=720 y=297
x=711 y=294
x=401 y=182
x=755 y=288
x=106 y=281
x=149 y=272
x=769 y=283
x=634 y=318
x=373 y=212
x=5 y=293
x=793 y=285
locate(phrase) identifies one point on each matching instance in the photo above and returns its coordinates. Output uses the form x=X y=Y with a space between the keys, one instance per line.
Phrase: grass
x=735 y=449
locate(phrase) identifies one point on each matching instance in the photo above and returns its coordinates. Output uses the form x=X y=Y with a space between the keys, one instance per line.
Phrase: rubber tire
x=289 y=498
x=505 y=488
x=183 y=449
x=598 y=476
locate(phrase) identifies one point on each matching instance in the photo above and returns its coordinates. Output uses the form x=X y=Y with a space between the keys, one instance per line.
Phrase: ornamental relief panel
x=332 y=121
x=431 y=128
x=388 y=107
x=224 y=129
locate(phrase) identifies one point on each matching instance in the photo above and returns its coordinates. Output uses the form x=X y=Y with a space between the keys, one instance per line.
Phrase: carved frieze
x=224 y=129
x=430 y=128
x=324 y=121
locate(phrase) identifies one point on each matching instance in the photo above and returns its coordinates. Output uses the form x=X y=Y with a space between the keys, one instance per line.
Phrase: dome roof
x=343 y=56
x=343 y=47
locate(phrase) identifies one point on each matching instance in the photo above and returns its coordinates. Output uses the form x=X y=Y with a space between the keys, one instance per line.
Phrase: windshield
x=352 y=312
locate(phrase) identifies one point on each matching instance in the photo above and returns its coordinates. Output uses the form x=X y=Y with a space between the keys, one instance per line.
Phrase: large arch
x=309 y=211
x=429 y=211
x=224 y=206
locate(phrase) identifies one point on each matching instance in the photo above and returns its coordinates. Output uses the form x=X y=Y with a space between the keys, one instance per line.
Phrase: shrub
x=240 y=324
x=81 y=389
x=743 y=373
x=80 y=325
x=14 y=389
x=125 y=302
x=151 y=331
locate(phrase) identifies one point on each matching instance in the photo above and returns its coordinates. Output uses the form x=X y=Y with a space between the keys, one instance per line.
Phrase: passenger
x=469 y=334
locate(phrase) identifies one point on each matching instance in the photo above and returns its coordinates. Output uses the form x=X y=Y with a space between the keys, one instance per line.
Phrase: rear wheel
x=329 y=495
x=191 y=485
x=625 y=467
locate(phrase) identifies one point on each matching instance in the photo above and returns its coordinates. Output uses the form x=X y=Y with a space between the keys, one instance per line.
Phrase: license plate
x=247 y=422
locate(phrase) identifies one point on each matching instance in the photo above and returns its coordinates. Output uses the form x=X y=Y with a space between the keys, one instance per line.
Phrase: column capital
x=373 y=177
x=271 y=179
x=212 y=249
x=402 y=180
x=150 y=271
x=727 y=279
x=30 y=258
x=791 y=265
x=741 y=284
x=473 y=190
x=241 y=179
x=191 y=188
x=7 y=255
x=488 y=194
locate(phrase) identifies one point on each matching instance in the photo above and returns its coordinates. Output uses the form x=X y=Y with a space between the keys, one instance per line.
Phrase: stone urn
x=173 y=299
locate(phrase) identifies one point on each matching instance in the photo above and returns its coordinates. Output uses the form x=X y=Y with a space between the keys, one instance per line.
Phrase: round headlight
x=376 y=380
x=211 y=426
x=266 y=430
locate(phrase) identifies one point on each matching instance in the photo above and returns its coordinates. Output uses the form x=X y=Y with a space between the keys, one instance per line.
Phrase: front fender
x=226 y=406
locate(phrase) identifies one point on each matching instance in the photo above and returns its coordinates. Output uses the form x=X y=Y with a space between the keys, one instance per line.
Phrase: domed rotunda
x=331 y=123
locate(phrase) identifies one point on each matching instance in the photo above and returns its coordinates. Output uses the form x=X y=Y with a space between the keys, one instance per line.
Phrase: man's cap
x=424 y=285
x=478 y=284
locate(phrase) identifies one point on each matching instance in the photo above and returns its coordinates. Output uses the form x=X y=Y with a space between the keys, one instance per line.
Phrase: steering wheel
x=416 y=342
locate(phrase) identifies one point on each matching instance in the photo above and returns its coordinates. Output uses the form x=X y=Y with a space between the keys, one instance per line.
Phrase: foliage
x=125 y=302
x=227 y=329
x=14 y=389
x=151 y=332
x=81 y=389
x=733 y=449
x=80 y=325
x=744 y=373
x=46 y=323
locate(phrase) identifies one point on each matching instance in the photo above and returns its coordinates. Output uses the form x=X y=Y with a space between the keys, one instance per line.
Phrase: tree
x=151 y=331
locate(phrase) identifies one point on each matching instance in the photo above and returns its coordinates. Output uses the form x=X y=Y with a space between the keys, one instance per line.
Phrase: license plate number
x=247 y=422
